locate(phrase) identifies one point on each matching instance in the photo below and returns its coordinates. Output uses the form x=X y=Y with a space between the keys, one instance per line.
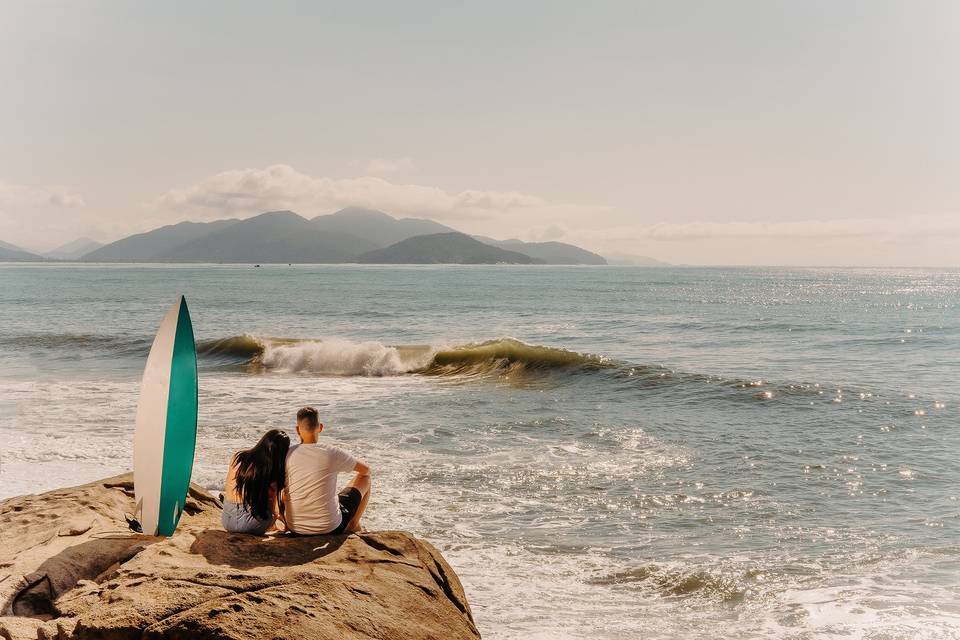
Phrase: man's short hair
x=310 y=415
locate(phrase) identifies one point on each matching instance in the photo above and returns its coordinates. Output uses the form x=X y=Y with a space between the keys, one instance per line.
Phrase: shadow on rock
x=248 y=552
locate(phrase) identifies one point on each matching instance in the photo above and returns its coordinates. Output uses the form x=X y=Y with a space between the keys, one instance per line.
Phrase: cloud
x=907 y=239
x=384 y=166
x=17 y=196
x=283 y=187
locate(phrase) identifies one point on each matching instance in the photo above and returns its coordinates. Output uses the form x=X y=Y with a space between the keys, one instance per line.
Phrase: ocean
x=600 y=452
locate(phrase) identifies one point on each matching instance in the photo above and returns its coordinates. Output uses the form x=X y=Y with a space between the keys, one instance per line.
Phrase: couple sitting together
x=276 y=486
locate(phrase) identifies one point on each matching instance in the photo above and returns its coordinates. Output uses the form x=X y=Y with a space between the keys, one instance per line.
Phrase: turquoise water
x=633 y=452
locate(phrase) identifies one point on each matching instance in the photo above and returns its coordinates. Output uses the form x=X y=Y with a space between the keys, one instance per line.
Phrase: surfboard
x=166 y=433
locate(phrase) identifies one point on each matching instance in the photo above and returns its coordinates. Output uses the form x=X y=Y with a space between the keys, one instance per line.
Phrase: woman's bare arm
x=230 y=488
x=276 y=498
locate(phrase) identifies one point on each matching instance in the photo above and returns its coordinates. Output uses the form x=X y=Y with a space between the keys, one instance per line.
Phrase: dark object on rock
x=71 y=568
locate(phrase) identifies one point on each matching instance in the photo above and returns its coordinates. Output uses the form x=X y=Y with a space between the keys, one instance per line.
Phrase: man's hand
x=361 y=468
x=361 y=482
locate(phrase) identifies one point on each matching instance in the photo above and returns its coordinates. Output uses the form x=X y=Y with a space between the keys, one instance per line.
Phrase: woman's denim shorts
x=237 y=519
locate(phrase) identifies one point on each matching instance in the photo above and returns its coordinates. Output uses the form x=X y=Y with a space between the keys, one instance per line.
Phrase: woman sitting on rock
x=255 y=481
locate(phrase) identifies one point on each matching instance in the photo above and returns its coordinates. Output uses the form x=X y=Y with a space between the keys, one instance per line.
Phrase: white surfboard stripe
x=148 y=443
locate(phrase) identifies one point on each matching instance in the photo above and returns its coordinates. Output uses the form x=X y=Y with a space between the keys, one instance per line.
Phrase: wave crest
x=503 y=357
x=508 y=356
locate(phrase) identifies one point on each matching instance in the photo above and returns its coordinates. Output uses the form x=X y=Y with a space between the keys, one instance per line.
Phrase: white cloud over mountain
x=908 y=239
x=283 y=187
x=51 y=212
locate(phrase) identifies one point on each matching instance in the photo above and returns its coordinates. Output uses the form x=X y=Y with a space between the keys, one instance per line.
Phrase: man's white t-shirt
x=310 y=497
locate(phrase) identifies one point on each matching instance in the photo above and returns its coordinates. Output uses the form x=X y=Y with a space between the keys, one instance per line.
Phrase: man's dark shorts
x=349 y=498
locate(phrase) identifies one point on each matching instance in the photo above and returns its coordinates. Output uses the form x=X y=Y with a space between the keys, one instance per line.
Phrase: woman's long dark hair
x=258 y=468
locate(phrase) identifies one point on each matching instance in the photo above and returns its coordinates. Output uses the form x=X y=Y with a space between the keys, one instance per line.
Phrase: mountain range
x=352 y=235
x=349 y=235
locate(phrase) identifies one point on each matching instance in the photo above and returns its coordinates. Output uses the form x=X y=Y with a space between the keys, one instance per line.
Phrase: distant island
x=352 y=235
x=444 y=248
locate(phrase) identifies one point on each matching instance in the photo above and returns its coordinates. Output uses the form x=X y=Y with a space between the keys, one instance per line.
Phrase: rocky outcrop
x=71 y=568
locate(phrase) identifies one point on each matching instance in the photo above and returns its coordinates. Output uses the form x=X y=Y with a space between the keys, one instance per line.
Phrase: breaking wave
x=338 y=356
x=505 y=359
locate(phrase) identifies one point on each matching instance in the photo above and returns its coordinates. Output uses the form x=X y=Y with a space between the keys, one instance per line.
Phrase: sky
x=747 y=132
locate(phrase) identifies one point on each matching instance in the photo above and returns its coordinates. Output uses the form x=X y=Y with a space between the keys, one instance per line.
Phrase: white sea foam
x=335 y=356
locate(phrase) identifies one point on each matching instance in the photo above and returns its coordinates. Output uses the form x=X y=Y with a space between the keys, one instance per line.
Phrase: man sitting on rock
x=311 y=502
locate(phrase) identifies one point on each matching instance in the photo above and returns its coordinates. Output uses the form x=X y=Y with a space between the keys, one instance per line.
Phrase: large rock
x=71 y=568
